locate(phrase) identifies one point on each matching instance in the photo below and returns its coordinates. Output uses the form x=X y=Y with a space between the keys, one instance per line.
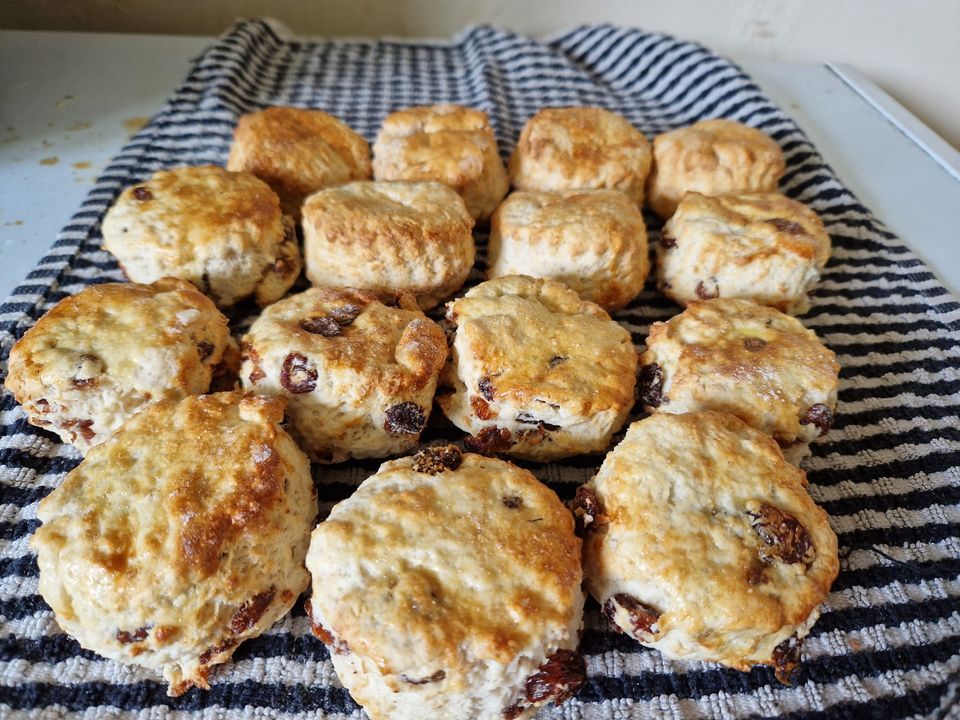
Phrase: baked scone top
x=437 y=562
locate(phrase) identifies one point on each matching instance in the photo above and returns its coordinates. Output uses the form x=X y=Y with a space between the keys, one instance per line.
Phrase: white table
x=69 y=101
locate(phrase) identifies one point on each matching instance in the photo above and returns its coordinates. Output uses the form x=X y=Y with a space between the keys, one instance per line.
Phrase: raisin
x=322 y=634
x=667 y=241
x=587 y=510
x=436 y=677
x=786 y=659
x=643 y=618
x=787 y=226
x=345 y=314
x=298 y=375
x=481 y=409
x=819 y=415
x=321 y=325
x=650 y=385
x=708 y=289
x=489 y=441
x=132 y=636
x=557 y=359
x=486 y=388
x=512 y=501
x=141 y=193
x=207 y=655
x=256 y=373
x=83 y=427
x=784 y=537
x=526 y=418
x=84 y=382
x=205 y=349
x=433 y=460
x=753 y=344
x=406 y=418
x=251 y=611
x=557 y=679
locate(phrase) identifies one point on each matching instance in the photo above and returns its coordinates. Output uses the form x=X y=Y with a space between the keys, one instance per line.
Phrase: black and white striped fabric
x=888 y=642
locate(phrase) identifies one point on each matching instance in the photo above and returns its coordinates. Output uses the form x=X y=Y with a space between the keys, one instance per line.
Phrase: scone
x=450 y=144
x=448 y=586
x=745 y=359
x=223 y=231
x=711 y=157
x=358 y=375
x=387 y=236
x=297 y=152
x=701 y=541
x=762 y=247
x=181 y=536
x=577 y=148
x=535 y=371
x=99 y=356
x=593 y=241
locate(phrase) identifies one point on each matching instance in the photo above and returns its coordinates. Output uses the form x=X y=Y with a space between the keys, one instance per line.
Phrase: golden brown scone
x=701 y=541
x=711 y=157
x=181 y=536
x=448 y=586
x=741 y=358
x=388 y=236
x=577 y=148
x=594 y=241
x=358 y=375
x=97 y=357
x=762 y=247
x=222 y=231
x=535 y=371
x=297 y=152
x=450 y=144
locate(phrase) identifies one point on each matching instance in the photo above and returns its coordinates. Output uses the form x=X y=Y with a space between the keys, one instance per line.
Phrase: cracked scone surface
x=535 y=371
x=99 y=356
x=700 y=540
x=450 y=144
x=444 y=584
x=762 y=247
x=358 y=375
x=222 y=231
x=297 y=152
x=745 y=359
x=387 y=236
x=181 y=536
x=711 y=157
x=576 y=148
x=593 y=241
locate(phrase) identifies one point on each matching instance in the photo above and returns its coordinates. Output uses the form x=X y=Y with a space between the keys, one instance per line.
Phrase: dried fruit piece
x=486 y=388
x=642 y=618
x=132 y=636
x=256 y=373
x=512 y=501
x=557 y=679
x=251 y=611
x=708 y=289
x=207 y=655
x=321 y=325
x=142 y=193
x=489 y=441
x=324 y=635
x=406 y=418
x=433 y=460
x=436 y=677
x=556 y=360
x=650 y=385
x=786 y=659
x=667 y=241
x=753 y=344
x=481 y=408
x=819 y=415
x=298 y=375
x=345 y=314
x=587 y=510
x=784 y=537
x=787 y=226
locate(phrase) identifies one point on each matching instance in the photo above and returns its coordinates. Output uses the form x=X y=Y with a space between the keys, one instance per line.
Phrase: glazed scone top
x=712 y=157
x=578 y=148
x=537 y=341
x=429 y=568
x=745 y=359
x=297 y=151
x=694 y=525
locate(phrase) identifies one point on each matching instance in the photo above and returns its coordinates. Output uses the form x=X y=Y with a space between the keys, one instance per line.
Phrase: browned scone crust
x=450 y=144
x=97 y=357
x=700 y=540
x=443 y=583
x=181 y=536
x=297 y=152
x=711 y=157
x=578 y=148
x=762 y=247
x=593 y=241
x=741 y=358
x=535 y=371
x=389 y=236
x=358 y=375
x=222 y=231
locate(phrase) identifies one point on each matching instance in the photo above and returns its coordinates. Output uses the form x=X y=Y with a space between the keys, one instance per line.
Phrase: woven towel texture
x=888 y=642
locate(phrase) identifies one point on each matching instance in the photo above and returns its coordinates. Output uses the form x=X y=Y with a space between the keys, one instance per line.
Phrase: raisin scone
x=762 y=247
x=700 y=540
x=711 y=157
x=745 y=359
x=449 y=586
x=593 y=241
x=450 y=144
x=222 y=231
x=359 y=375
x=181 y=536
x=297 y=152
x=386 y=236
x=535 y=371
x=98 y=357
x=577 y=148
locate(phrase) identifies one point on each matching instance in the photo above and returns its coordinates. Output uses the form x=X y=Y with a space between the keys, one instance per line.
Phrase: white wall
x=911 y=48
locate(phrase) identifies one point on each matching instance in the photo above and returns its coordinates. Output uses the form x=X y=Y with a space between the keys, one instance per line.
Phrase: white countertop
x=69 y=101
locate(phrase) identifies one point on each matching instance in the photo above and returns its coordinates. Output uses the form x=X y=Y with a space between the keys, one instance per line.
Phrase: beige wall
x=911 y=48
